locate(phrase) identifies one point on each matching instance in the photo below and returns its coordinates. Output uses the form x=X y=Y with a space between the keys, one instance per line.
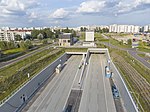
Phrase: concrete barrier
x=24 y=94
x=128 y=102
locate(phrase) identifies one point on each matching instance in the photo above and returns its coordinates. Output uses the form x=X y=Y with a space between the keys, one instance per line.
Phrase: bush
x=44 y=41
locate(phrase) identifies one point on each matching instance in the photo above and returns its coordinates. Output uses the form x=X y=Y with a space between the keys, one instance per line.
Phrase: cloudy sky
x=72 y=13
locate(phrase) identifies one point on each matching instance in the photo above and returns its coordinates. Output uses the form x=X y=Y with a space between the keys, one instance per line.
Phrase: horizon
x=67 y=13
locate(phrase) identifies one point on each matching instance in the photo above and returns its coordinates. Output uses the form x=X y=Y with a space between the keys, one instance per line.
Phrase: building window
x=68 y=41
x=64 y=40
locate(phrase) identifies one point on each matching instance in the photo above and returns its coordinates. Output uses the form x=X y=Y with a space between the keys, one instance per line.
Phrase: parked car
x=115 y=92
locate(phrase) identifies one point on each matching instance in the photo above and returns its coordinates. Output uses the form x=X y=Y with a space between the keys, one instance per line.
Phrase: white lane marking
x=71 y=88
x=87 y=73
x=104 y=87
x=85 y=82
x=47 y=94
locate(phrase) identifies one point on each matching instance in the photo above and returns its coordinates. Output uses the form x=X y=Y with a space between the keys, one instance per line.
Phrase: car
x=115 y=92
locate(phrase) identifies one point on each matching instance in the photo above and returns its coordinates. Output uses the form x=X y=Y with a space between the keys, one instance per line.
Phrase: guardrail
x=128 y=101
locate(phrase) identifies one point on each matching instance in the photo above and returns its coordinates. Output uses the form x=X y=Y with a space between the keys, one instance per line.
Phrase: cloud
x=33 y=15
x=16 y=7
x=59 y=14
x=91 y=6
x=133 y=5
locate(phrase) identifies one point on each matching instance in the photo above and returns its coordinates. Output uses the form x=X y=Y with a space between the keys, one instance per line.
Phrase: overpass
x=81 y=89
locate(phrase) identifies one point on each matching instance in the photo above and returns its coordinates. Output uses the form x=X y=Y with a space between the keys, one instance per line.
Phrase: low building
x=66 y=39
x=89 y=39
x=89 y=36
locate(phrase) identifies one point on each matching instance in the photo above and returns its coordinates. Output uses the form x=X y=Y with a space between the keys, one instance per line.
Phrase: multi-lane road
x=97 y=94
x=4 y=64
x=96 y=91
x=131 y=51
x=54 y=96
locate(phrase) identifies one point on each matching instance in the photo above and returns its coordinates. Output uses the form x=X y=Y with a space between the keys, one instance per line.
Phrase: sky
x=73 y=13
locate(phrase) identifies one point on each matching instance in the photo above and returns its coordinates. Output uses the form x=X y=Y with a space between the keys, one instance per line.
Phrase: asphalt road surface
x=131 y=51
x=54 y=96
x=3 y=64
x=97 y=94
x=142 y=60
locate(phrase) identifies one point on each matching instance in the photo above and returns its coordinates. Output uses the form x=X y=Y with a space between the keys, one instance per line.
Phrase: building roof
x=65 y=36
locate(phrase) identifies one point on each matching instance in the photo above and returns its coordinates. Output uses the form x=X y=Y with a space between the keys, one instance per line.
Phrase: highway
x=54 y=96
x=97 y=94
x=131 y=51
x=4 y=64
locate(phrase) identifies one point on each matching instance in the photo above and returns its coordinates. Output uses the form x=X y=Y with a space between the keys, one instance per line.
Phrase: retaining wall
x=18 y=100
x=128 y=102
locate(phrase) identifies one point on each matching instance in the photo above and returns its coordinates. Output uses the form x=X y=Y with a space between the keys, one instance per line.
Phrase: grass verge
x=13 y=79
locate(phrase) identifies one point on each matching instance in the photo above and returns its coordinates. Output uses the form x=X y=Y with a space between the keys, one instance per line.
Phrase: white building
x=124 y=28
x=89 y=39
x=146 y=28
x=89 y=36
x=8 y=35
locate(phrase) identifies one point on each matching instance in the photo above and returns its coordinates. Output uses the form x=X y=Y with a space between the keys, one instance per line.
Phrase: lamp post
x=109 y=63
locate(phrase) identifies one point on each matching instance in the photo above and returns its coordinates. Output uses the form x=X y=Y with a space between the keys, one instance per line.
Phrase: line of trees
x=24 y=45
x=103 y=30
x=97 y=30
x=4 y=45
x=46 y=33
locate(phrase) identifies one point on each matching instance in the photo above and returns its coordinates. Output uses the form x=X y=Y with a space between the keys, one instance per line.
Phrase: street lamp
x=109 y=63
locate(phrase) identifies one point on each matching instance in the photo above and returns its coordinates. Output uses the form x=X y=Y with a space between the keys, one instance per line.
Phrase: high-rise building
x=124 y=28
x=146 y=28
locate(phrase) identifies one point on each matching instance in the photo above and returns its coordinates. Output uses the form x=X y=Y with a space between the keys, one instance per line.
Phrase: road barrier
x=127 y=99
x=24 y=94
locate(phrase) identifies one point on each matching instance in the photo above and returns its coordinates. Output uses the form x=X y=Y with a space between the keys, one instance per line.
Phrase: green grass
x=100 y=38
x=118 y=44
x=76 y=49
x=12 y=51
x=12 y=82
x=99 y=45
x=144 y=49
x=12 y=69
x=82 y=37
x=138 y=67
x=130 y=86
x=141 y=55
x=141 y=69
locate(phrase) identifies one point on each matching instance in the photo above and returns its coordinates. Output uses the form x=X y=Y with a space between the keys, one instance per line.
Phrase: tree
x=129 y=42
x=10 y=45
x=34 y=34
x=81 y=29
x=40 y=36
x=3 y=45
x=85 y=29
x=18 y=37
x=49 y=33
x=44 y=41
x=25 y=45
x=141 y=44
x=28 y=37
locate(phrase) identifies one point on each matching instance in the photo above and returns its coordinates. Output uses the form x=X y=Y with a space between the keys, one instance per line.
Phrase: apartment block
x=9 y=34
x=124 y=28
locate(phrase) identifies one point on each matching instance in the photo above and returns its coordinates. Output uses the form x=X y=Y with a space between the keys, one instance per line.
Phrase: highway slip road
x=97 y=94
x=54 y=96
